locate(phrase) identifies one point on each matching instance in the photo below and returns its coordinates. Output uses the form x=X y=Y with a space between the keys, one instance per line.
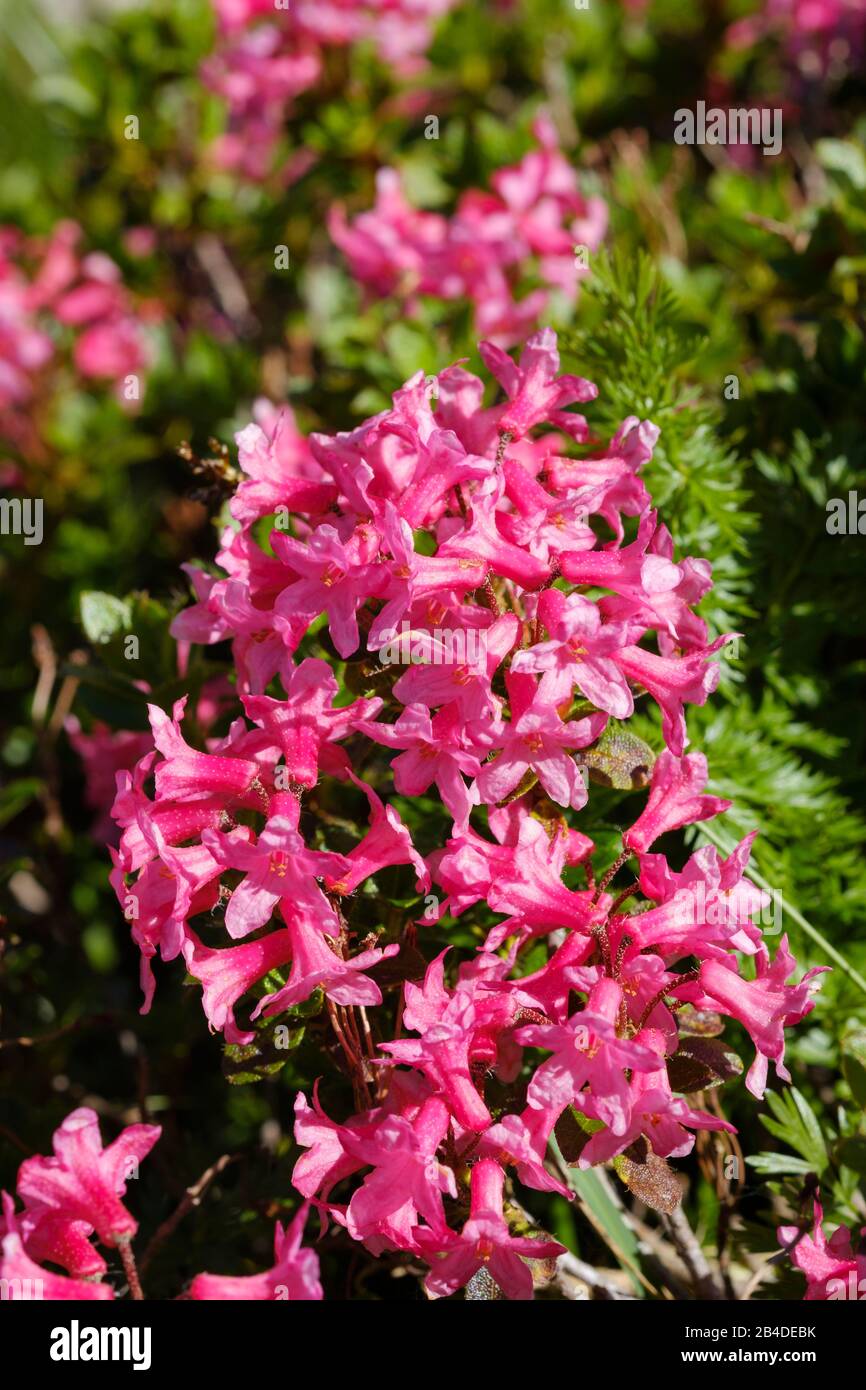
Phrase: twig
x=59 y=1032
x=228 y=285
x=603 y=1281
x=707 y=1283
x=45 y=660
x=797 y=238
x=14 y=1139
x=46 y=664
x=190 y=1199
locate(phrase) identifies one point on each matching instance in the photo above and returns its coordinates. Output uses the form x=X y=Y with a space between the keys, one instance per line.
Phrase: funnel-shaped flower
x=484 y=1242
x=83 y=1181
x=294 y=1277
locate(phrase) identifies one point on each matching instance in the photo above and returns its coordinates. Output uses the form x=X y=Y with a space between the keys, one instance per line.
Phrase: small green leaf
x=779 y=1163
x=104 y=615
x=854 y=1065
x=795 y=1125
x=572 y=1132
x=16 y=795
x=619 y=759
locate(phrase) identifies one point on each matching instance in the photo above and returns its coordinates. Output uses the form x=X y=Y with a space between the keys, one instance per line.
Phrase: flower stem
x=130 y=1270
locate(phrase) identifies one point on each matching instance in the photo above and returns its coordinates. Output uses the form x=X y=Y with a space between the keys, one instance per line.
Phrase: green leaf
x=854 y=1065
x=843 y=157
x=104 y=615
x=779 y=1163
x=796 y=1125
x=16 y=795
x=699 y=1023
x=572 y=1131
x=619 y=759
x=851 y=1153
x=246 y=1064
x=409 y=349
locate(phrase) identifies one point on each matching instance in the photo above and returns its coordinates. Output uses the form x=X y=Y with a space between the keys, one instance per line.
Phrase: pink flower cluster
x=834 y=1272
x=441 y=519
x=68 y=1199
x=534 y=219
x=818 y=35
x=268 y=54
x=76 y=1195
x=47 y=287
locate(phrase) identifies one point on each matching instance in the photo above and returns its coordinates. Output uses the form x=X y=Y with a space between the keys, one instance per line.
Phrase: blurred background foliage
x=720 y=267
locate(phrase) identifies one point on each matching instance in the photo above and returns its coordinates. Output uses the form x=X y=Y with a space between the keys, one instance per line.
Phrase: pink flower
x=452 y=1029
x=631 y=570
x=486 y=538
x=549 y=211
x=407 y=1181
x=523 y=1140
x=277 y=868
x=306 y=722
x=83 y=1181
x=293 y=1278
x=674 y=800
x=45 y=283
x=439 y=684
x=24 y=1278
x=588 y=1051
x=104 y=752
x=329 y=1158
x=386 y=842
x=485 y=1242
x=764 y=1006
x=188 y=774
x=832 y=1270
x=536 y=739
x=663 y=1119
x=709 y=904
x=316 y=965
x=437 y=750
x=226 y=975
x=281 y=472
x=529 y=224
x=529 y=887
x=535 y=390
x=547 y=523
x=169 y=889
x=416 y=517
x=578 y=654
x=673 y=682
x=333 y=577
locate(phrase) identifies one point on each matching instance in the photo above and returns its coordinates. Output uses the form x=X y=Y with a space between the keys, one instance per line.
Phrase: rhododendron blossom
x=535 y=217
x=835 y=1270
x=819 y=35
x=254 y=855
x=60 y=303
x=75 y=1196
x=266 y=56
